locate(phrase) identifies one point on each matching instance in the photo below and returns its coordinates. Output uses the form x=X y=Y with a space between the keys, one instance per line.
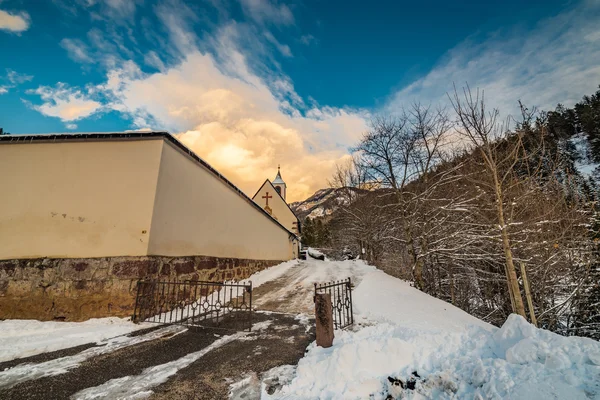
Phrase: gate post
x=324 y=319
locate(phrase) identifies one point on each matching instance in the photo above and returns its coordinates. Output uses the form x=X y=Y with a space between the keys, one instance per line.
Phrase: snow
x=380 y=297
x=251 y=387
x=272 y=273
x=24 y=338
x=140 y=386
x=314 y=253
x=399 y=331
x=402 y=330
x=295 y=289
x=29 y=371
x=584 y=163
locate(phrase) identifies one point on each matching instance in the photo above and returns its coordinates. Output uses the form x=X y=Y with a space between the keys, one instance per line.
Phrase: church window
x=278 y=188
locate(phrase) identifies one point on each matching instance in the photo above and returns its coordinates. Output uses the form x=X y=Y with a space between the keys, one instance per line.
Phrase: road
x=175 y=362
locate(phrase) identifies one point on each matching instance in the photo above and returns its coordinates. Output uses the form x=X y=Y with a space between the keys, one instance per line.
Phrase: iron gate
x=197 y=303
x=341 y=300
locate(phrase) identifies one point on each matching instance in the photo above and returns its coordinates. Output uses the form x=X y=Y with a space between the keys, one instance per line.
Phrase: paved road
x=175 y=362
x=173 y=359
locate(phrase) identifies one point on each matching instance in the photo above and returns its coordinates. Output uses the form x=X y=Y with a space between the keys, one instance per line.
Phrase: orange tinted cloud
x=238 y=123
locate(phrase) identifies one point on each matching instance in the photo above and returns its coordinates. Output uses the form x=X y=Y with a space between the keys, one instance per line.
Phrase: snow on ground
x=29 y=371
x=380 y=297
x=293 y=291
x=453 y=354
x=140 y=386
x=23 y=338
x=270 y=274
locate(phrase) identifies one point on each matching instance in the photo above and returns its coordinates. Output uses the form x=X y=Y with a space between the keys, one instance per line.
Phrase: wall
x=195 y=212
x=77 y=199
x=82 y=288
x=281 y=211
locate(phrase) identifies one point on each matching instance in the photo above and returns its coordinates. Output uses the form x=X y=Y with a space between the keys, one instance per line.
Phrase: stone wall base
x=77 y=289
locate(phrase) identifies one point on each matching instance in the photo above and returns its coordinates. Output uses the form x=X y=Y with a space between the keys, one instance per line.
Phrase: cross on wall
x=266 y=196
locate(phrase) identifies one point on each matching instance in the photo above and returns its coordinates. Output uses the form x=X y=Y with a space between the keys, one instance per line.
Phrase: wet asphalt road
x=282 y=342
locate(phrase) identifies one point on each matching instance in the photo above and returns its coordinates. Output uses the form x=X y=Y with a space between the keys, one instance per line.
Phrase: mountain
x=321 y=204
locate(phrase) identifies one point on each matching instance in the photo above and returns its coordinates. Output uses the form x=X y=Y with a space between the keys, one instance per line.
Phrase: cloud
x=77 y=50
x=16 y=23
x=71 y=126
x=265 y=11
x=65 y=103
x=152 y=59
x=16 y=78
x=237 y=122
x=557 y=61
x=13 y=80
x=308 y=39
x=284 y=49
x=111 y=9
x=178 y=18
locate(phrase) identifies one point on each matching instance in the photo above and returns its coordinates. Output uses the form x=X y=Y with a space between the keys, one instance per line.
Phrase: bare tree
x=483 y=131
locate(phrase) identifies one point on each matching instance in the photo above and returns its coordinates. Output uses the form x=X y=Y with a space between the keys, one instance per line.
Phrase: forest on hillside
x=495 y=216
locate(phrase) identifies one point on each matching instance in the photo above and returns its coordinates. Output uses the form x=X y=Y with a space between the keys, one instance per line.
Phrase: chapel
x=272 y=198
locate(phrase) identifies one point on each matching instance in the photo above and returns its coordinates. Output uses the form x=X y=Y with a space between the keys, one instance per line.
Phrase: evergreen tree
x=308 y=232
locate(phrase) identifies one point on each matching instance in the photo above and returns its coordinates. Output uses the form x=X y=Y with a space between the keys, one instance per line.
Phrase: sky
x=252 y=84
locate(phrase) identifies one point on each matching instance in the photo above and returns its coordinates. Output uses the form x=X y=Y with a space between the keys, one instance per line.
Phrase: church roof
x=95 y=136
x=278 y=194
x=278 y=180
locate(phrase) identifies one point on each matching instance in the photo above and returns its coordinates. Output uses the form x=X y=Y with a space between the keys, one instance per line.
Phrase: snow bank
x=454 y=354
x=24 y=338
x=518 y=361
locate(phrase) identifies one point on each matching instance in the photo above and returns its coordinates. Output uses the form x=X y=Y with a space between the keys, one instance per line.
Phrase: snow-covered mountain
x=321 y=204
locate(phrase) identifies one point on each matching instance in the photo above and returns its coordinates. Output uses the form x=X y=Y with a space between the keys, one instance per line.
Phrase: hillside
x=322 y=203
x=408 y=345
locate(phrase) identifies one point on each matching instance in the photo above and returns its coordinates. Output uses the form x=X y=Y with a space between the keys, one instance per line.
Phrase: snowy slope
x=584 y=163
x=402 y=330
x=322 y=203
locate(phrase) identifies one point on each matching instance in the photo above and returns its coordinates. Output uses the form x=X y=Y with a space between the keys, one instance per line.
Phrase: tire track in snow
x=293 y=292
x=140 y=386
x=30 y=371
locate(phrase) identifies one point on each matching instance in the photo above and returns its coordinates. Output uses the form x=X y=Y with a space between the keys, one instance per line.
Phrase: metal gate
x=341 y=300
x=197 y=303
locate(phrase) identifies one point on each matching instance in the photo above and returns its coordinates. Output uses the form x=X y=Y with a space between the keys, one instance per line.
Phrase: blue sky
x=256 y=83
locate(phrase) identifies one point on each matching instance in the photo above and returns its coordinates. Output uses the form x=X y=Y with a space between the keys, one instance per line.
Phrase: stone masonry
x=82 y=288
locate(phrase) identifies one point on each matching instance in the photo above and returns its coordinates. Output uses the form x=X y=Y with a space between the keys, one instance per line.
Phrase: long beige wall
x=281 y=211
x=197 y=213
x=77 y=199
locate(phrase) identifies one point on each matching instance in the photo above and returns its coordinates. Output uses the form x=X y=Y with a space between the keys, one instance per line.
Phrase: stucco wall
x=197 y=213
x=77 y=199
x=280 y=209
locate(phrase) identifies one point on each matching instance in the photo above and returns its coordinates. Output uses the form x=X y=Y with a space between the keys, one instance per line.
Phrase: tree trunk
x=528 y=295
x=511 y=275
x=452 y=295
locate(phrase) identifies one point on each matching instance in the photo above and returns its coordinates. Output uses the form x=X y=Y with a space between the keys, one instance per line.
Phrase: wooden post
x=528 y=295
x=324 y=318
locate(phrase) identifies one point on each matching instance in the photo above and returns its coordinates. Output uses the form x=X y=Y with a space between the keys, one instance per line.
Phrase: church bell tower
x=279 y=184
